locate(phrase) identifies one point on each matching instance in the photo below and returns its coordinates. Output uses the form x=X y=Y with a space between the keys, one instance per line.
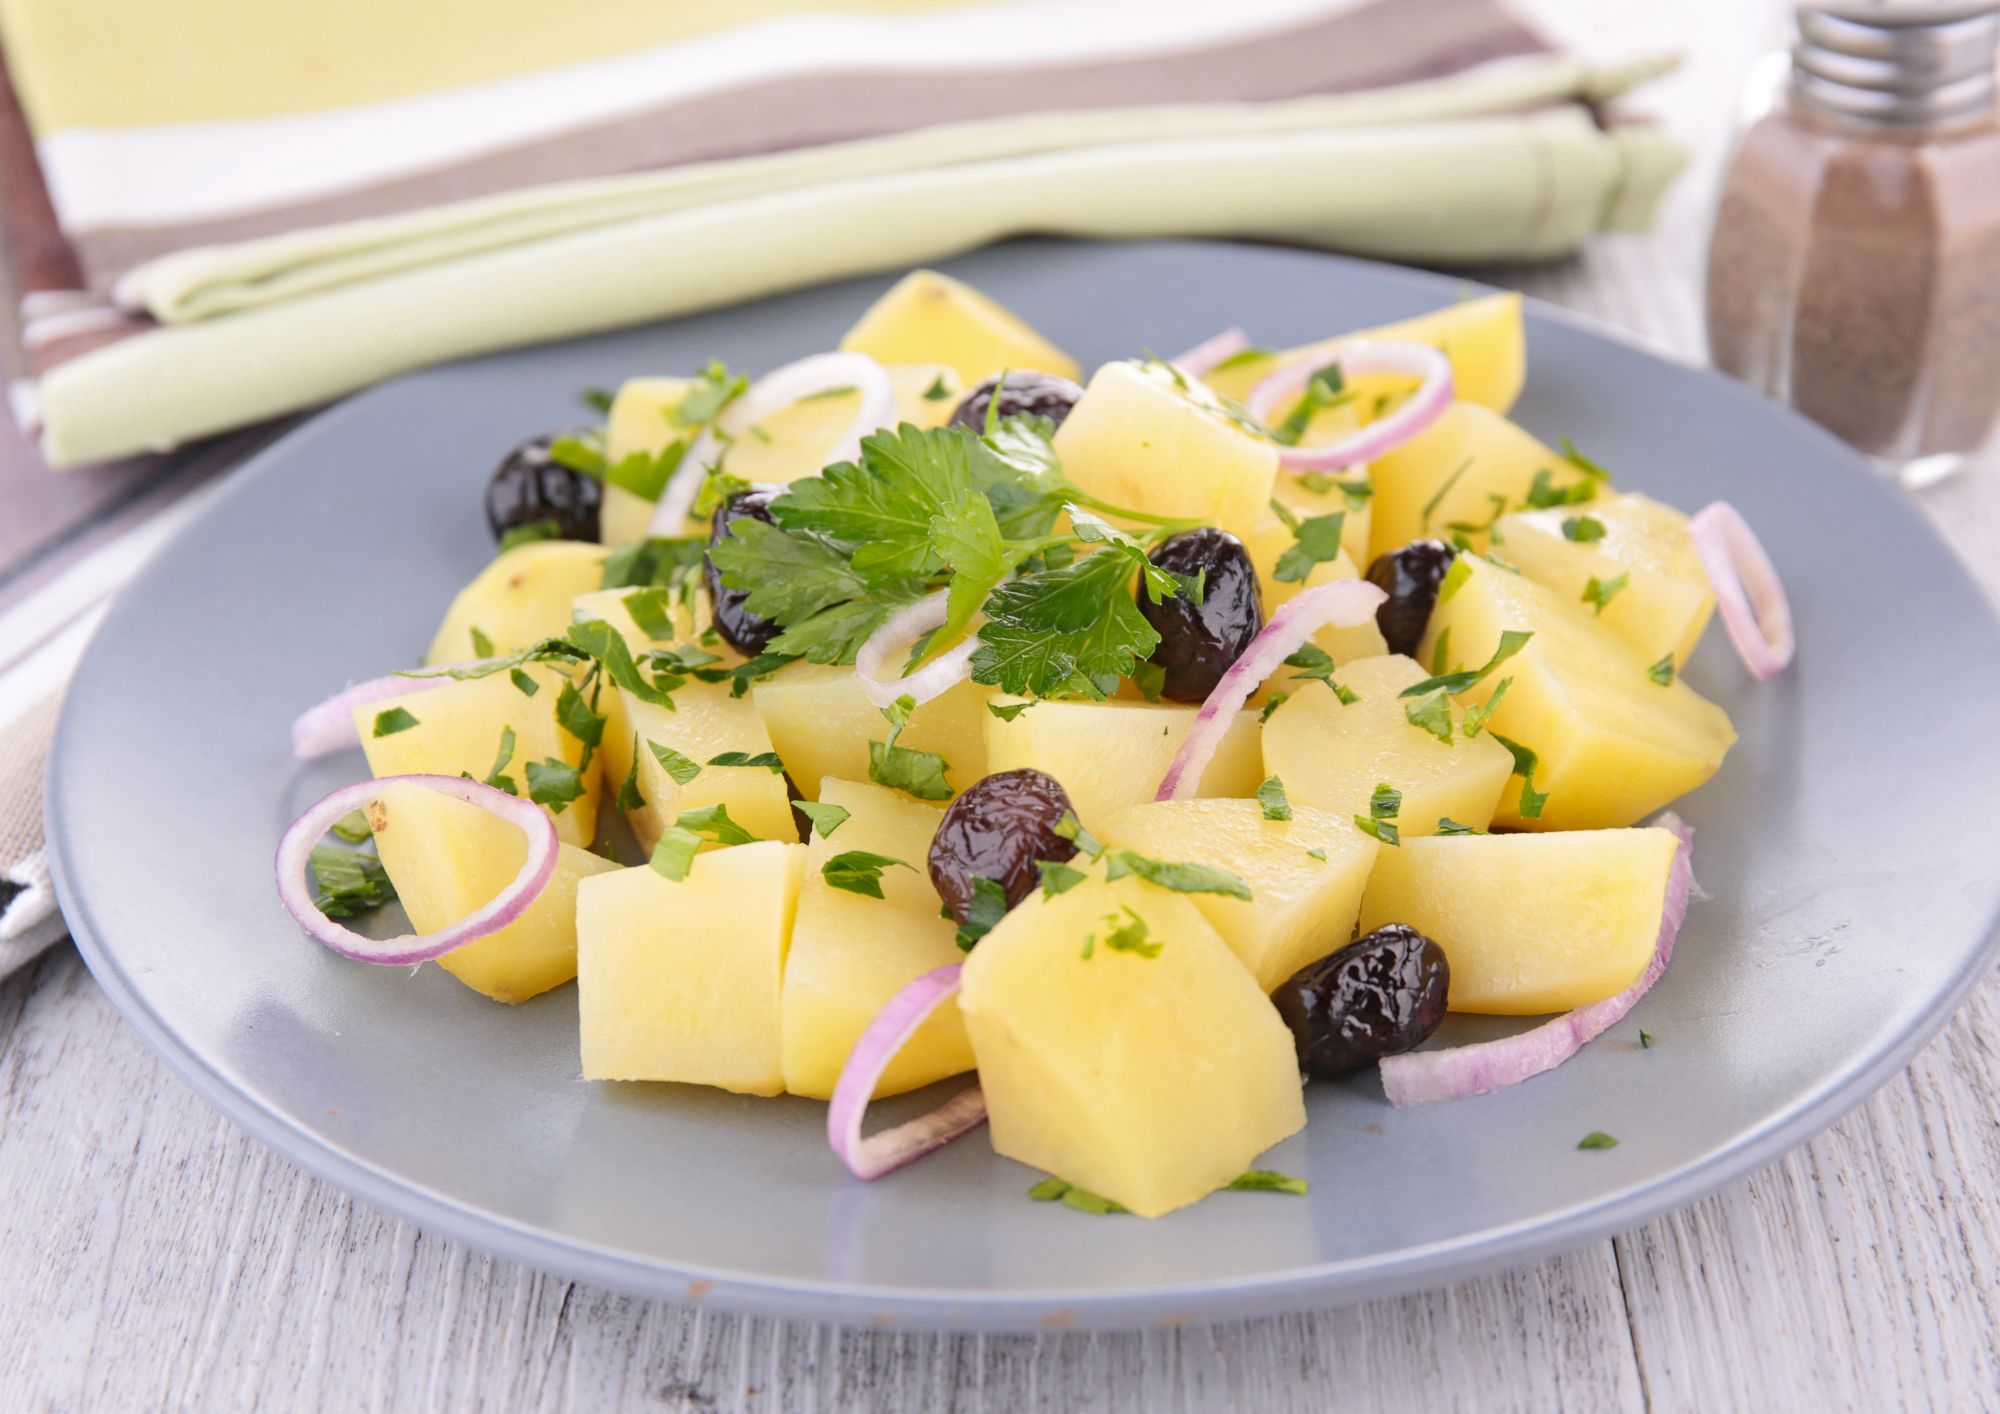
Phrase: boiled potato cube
x=795 y=441
x=522 y=597
x=1530 y=923
x=1139 y=439
x=679 y=980
x=1267 y=542
x=704 y=723
x=686 y=615
x=447 y=859
x=1456 y=475
x=1665 y=602
x=461 y=726
x=1152 y=1080
x=639 y=421
x=1108 y=755
x=1305 y=874
x=1482 y=337
x=851 y=953
x=821 y=722
x=1613 y=745
x=931 y=318
x=1333 y=756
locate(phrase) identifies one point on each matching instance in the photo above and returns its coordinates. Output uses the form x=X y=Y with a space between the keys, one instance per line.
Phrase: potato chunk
x=1612 y=743
x=852 y=953
x=1530 y=923
x=1333 y=756
x=1305 y=874
x=679 y=980
x=1456 y=475
x=459 y=729
x=1152 y=1080
x=1111 y=754
x=447 y=858
x=638 y=422
x=705 y=722
x=1141 y=440
x=821 y=723
x=521 y=598
x=1267 y=543
x=1664 y=602
x=930 y=318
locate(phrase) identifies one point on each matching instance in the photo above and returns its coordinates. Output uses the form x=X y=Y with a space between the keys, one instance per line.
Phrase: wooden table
x=150 y=1255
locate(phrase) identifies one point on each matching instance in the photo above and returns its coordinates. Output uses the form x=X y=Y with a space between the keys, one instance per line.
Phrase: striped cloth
x=215 y=213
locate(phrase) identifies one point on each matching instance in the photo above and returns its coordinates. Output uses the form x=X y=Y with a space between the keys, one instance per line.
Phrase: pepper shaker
x=1854 y=266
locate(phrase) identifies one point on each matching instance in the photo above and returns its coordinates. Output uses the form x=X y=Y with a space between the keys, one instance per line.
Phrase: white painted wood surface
x=152 y=1257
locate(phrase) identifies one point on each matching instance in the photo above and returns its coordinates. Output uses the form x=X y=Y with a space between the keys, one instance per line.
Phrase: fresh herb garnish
x=1268 y=1181
x=578 y=718
x=937 y=392
x=1182 y=878
x=1438 y=495
x=1449 y=826
x=1662 y=672
x=1315 y=541
x=681 y=768
x=674 y=855
x=983 y=913
x=859 y=871
x=1058 y=878
x=1441 y=653
x=713 y=822
x=1579 y=460
x=1317 y=853
x=554 y=784
x=482 y=646
x=1384 y=805
x=712 y=390
x=393 y=720
x=523 y=684
x=1315 y=664
x=598 y=400
x=1477 y=717
x=1512 y=641
x=1125 y=931
x=630 y=797
x=1544 y=494
x=1597 y=1139
x=825 y=818
x=1600 y=592
x=528 y=533
x=655 y=561
x=767 y=759
x=1150 y=678
x=347 y=881
x=1008 y=711
x=1525 y=762
x=1271 y=796
x=650 y=610
x=1056 y=1190
x=352 y=827
x=497 y=777
x=1432 y=713
x=1072 y=829
x=1272 y=704
x=1325 y=389
x=917 y=773
x=1582 y=529
x=1645 y=1040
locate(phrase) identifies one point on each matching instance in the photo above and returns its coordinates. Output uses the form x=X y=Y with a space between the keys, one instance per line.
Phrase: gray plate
x=1847 y=845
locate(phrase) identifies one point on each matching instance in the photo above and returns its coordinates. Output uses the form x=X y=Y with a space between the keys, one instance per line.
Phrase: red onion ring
x=1459 y=1072
x=886 y=1035
x=1340 y=603
x=1203 y=357
x=1748 y=593
x=295 y=852
x=329 y=727
x=773 y=393
x=900 y=630
x=1363 y=356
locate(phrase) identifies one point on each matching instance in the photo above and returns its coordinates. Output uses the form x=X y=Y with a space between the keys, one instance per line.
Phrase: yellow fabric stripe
x=117 y=63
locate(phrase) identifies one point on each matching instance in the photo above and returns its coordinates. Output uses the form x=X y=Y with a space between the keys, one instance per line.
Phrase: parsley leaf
x=983 y=915
x=598 y=400
x=1325 y=389
x=1662 y=672
x=767 y=759
x=1512 y=641
x=1449 y=826
x=1477 y=717
x=1008 y=711
x=1584 y=463
x=1645 y=1040
x=835 y=634
x=482 y=646
x=1056 y=1190
x=1058 y=878
x=1181 y=878
x=1582 y=529
x=681 y=768
x=859 y=871
x=395 y=719
x=494 y=777
x=1316 y=663
x=523 y=684
x=917 y=773
x=528 y=533
x=1441 y=653
x=554 y=783
x=883 y=504
x=1272 y=704
x=713 y=389
x=1271 y=796
x=630 y=797
x=1525 y=762
x=1150 y=678
x=1600 y=592
x=1443 y=490
x=1432 y=713
x=1384 y=805
x=713 y=822
x=1544 y=494
x=825 y=818
x=577 y=717
x=786 y=577
x=937 y=392
x=656 y=560
x=1597 y=1139
x=966 y=537
x=1127 y=933
x=649 y=609
x=1071 y=829
x=1268 y=1181
x=1316 y=540
x=1046 y=629
x=674 y=855
x=352 y=827
x=347 y=881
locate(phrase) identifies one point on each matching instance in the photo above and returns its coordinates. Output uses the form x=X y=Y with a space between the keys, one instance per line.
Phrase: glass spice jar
x=1854 y=267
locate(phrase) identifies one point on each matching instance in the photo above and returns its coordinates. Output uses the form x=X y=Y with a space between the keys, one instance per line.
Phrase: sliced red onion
x=773 y=393
x=1459 y=1072
x=329 y=727
x=899 y=631
x=295 y=853
x=886 y=1035
x=1284 y=386
x=1342 y=603
x=1197 y=361
x=1748 y=593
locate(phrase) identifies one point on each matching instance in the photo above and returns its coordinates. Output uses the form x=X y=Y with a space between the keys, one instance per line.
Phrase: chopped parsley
x=1440 y=653
x=1182 y=878
x=1581 y=462
x=1316 y=664
x=1325 y=389
x=1242 y=357
x=1597 y=1139
x=1150 y=678
x=825 y=818
x=554 y=783
x=1384 y=805
x=1271 y=796
x=1443 y=490
x=1582 y=529
x=983 y=914
x=598 y=400
x=767 y=759
x=1056 y=1190
x=1268 y=1181
x=1432 y=713
x=1662 y=672
x=1058 y=878
x=1477 y=717
x=482 y=646
x=917 y=773
x=1008 y=711
x=1272 y=704
x=1600 y=592
x=713 y=822
x=680 y=767
x=393 y=720
x=1317 y=853
x=1125 y=931
x=937 y=392
x=674 y=855
x=1454 y=580
x=1072 y=829
x=859 y=871
x=523 y=684
x=578 y=718
x=1315 y=541
x=497 y=777
x=1449 y=826
x=630 y=797
x=347 y=881
x=1525 y=762
x=1544 y=494
x=650 y=610
x=527 y=534
x=352 y=827
x=1645 y=1040
x=714 y=388
x=1512 y=641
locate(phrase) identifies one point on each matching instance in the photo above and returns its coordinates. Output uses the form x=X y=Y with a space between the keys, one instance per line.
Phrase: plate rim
x=1321 y=1285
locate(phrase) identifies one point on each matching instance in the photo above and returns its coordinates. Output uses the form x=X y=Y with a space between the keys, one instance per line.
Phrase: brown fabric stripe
x=38 y=252
x=1385 y=43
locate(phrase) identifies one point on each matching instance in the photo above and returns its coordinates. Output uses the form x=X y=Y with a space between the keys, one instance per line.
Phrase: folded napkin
x=208 y=246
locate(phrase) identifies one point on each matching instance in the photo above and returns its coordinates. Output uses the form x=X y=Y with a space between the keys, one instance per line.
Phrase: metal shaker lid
x=1901 y=62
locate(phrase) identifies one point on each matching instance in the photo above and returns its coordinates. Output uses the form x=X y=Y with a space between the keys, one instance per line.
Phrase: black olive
x=741 y=629
x=1199 y=642
x=1377 y=997
x=1410 y=577
x=1022 y=390
x=528 y=486
x=996 y=830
